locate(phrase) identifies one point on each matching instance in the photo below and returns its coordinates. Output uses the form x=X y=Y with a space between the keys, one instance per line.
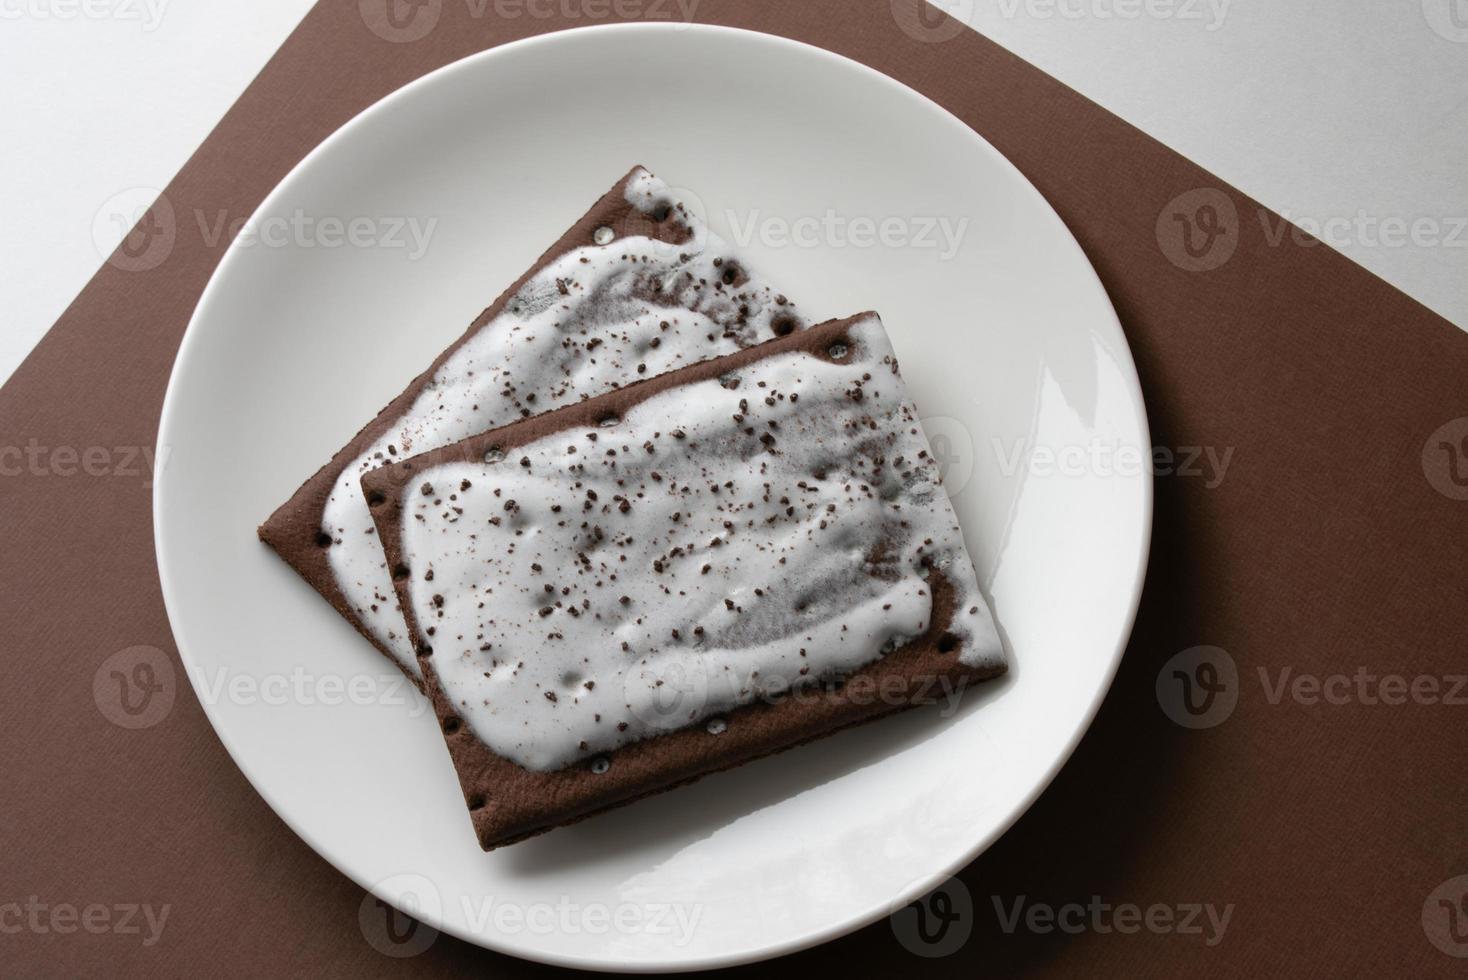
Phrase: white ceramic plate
x=1009 y=346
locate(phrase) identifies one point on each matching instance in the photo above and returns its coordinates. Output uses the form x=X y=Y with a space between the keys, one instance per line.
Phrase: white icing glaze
x=725 y=541
x=593 y=320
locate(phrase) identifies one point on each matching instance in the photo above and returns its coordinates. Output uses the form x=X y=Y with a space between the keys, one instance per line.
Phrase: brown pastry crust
x=295 y=532
x=509 y=803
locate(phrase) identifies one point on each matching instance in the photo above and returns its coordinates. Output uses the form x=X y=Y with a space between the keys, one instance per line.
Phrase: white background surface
x=1353 y=112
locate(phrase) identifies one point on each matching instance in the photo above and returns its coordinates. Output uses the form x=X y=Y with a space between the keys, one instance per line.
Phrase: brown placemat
x=1328 y=825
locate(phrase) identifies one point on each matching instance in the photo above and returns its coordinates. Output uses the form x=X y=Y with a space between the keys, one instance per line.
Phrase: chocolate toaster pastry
x=636 y=288
x=676 y=577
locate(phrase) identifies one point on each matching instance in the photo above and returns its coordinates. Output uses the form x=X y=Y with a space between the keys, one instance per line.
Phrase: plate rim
x=169 y=420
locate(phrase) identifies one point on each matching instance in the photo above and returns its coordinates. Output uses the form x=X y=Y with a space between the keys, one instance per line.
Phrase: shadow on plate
x=654 y=828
